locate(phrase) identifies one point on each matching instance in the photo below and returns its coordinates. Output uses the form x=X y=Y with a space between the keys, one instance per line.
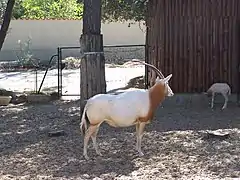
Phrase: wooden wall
x=195 y=40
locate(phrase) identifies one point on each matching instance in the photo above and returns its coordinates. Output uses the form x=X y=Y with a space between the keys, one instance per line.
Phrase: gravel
x=173 y=145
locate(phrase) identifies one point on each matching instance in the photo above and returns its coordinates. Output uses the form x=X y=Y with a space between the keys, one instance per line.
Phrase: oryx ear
x=166 y=79
x=157 y=79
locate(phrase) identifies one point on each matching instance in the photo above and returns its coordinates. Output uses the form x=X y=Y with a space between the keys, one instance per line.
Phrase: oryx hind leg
x=94 y=140
x=90 y=131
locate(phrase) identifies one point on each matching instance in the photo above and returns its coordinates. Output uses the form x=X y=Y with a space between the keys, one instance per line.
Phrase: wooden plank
x=234 y=45
x=166 y=37
x=189 y=42
x=181 y=46
x=211 y=44
x=218 y=60
x=227 y=49
x=207 y=42
x=202 y=49
x=185 y=48
x=176 y=46
x=171 y=43
x=161 y=37
x=201 y=56
x=197 y=47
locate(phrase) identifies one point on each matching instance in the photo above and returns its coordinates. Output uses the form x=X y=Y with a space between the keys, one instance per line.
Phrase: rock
x=54 y=96
x=4 y=100
x=56 y=133
x=4 y=92
x=20 y=99
x=217 y=134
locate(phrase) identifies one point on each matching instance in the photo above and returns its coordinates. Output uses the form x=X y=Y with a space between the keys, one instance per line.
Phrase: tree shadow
x=24 y=135
x=12 y=74
x=21 y=127
x=116 y=145
x=179 y=150
x=169 y=117
x=117 y=160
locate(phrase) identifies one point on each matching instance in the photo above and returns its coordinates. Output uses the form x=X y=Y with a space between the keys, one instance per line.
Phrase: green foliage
x=123 y=10
x=3 y=4
x=48 y=9
x=24 y=53
x=112 y=10
x=18 y=10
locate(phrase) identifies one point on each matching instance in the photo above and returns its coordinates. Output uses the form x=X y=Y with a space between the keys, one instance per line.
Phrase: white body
x=220 y=88
x=122 y=110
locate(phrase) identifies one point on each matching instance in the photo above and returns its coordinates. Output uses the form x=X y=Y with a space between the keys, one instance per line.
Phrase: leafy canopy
x=48 y=9
x=123 y=10
x=3 y=4
x=112 y=10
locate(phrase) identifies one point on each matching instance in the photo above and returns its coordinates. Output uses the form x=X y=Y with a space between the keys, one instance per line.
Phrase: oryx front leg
x=91 y=130
x=139 y=134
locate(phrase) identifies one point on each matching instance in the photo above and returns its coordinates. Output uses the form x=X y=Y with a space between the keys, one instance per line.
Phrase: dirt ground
x=173 y=145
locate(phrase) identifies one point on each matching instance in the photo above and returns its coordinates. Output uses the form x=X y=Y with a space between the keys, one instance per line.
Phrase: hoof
x=140 y=154
x=86 y=157
x=99 y=153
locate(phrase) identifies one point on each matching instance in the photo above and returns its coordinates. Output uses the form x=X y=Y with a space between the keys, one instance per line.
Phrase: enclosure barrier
x=49 y=65
x=60 y=64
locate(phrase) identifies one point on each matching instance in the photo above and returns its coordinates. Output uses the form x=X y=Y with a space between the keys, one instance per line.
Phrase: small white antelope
x=134 y=107
x=221 y=88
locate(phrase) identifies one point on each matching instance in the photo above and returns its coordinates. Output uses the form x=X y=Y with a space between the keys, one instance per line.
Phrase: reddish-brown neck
x=156 y=95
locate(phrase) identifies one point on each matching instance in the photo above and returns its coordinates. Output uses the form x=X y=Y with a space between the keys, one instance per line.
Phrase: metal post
x=238 y=61
x=60 y=69
x=58 y=66
x=146 y=58
x=49 y=65
x=146 y=67
x=36 y=81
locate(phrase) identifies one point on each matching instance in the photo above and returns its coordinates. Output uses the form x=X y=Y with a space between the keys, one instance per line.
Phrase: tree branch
x=6 y=21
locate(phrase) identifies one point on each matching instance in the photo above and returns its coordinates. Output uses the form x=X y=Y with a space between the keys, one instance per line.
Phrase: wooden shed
x=195 y=40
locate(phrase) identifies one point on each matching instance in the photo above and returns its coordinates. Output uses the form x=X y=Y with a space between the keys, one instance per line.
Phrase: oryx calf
x=220 y=88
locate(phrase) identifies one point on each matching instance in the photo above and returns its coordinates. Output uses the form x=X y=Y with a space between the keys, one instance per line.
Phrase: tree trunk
x=6 y=21
x=91 y=42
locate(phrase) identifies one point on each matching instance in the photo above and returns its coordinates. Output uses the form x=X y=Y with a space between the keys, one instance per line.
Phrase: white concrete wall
x=47 y=35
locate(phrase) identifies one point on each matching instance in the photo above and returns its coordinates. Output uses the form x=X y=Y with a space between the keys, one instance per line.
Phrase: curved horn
x=152 y=66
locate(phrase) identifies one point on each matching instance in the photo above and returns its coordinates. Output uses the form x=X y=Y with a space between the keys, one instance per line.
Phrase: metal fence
x=62 y=73
x=114 y=55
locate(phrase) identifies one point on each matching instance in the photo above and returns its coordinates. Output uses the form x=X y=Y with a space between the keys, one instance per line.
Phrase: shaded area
x=10 y=75
x=172 y=144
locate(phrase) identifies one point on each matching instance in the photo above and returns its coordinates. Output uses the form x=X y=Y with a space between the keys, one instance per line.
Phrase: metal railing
x=60 y=65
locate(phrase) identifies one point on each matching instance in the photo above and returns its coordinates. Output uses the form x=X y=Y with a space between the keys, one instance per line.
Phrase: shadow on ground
x=172 y=144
